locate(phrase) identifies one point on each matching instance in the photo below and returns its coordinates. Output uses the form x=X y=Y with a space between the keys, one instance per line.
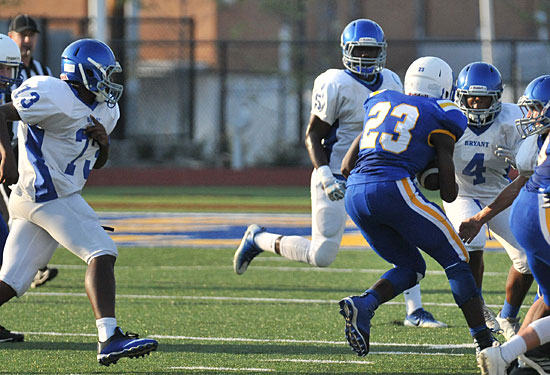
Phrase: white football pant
x=36 y=230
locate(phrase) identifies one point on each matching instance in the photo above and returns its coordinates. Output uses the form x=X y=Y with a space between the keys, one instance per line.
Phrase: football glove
x=507 y=154
x=333 y=188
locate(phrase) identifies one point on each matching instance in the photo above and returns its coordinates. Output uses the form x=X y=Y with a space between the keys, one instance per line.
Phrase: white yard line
x=318 y=361
x=221 y=368
x=279 y=341
x=266 y=268
x=234 y=299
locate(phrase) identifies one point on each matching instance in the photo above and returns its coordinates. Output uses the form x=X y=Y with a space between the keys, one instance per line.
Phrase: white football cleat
x=490 y=361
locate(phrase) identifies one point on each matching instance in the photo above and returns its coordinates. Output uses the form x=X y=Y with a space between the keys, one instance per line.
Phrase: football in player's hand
x=429 y=177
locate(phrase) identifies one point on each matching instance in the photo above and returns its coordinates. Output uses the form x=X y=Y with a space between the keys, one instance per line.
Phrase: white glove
x=507 y=154
x=334 y=188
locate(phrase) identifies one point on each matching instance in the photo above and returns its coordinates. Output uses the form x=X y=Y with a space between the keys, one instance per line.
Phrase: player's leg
x=429 y=229
x=519 y=278
x=78 y=229
x=389 y=244
x=463 y=208
x=26 y=248
x=328 y=224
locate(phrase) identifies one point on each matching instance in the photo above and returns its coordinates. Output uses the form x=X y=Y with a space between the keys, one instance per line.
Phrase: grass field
x=279 y=317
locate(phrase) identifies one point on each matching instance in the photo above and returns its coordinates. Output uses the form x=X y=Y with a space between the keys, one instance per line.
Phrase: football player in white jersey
x=337 y=115
x=63 y=134
x=481 y=175
x=10 y=63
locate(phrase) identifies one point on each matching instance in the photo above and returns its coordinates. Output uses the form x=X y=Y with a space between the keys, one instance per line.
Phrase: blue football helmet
x=535 y=98
x=91 y=63
x=10 y=58
x=363 y=33
x=479 y=79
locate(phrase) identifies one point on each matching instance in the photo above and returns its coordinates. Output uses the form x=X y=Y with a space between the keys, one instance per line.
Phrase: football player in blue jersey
x=10 y=63
x=530 y=224
x=402 y=133
x=336 y=118
x=481 y=174
x=63 y=133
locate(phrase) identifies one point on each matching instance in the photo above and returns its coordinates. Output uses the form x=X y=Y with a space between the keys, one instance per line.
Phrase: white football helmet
x=430 y=76
x=10 y=56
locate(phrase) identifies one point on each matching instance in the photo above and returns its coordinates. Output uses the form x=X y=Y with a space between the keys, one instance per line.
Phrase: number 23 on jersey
x=406 y=117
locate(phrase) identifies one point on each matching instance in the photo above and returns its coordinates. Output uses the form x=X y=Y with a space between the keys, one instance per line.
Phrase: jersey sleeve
x=451 y=118
x=324 y=99
x=526 y=157
x=35 y=100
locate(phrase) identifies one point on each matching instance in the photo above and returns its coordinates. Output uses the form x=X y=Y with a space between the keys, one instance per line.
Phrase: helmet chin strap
x=98 y=97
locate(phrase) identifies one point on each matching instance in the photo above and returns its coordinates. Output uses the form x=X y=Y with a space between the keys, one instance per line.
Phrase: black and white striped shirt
x=35 y=68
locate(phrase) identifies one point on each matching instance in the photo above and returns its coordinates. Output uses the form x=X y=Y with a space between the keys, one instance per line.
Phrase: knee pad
x=521 y=266
x=324 y=254
x=402 y=278
x=330 y=221
x=463 y=285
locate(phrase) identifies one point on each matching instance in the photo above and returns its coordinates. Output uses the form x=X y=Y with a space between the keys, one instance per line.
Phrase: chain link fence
x=238 y=104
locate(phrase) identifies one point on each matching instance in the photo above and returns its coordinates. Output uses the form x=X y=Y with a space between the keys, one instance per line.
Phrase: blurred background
x=227 y=83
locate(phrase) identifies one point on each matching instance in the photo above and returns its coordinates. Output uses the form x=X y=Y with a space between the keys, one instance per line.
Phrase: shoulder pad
x=447 y=105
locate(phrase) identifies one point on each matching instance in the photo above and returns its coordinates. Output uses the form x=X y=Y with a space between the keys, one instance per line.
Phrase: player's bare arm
x=316 y=131
x=445 y=145
x=471 y=226
x=349 y=160
x=8 y=165
x=98 y=133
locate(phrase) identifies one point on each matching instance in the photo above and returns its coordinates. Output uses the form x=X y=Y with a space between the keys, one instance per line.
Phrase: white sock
x=295 y=248
x=513 y=348
x=266 y=241
x=413 y=299
x=105 y=328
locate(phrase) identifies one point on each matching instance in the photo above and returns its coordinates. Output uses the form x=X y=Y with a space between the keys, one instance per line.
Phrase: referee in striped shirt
x=23 y=30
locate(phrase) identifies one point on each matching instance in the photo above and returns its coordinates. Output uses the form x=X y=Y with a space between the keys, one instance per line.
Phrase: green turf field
x=279 y=317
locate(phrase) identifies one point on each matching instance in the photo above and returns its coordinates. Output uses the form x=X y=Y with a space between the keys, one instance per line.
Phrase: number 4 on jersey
x=475 y=168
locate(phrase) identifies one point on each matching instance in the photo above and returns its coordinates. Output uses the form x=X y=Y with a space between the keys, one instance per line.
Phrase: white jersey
x=479 y=172
x=55 y=156
x=338 y=99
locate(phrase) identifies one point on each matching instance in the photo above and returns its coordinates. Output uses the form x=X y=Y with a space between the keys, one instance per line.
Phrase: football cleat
x=490 y=361
x=43 y=275
x=509 y=326
x=484 y=339
x=490 y=319
x=7 y=336
x=422 y=318
x=357 y=314
x=247 y=250
x=123 y=345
